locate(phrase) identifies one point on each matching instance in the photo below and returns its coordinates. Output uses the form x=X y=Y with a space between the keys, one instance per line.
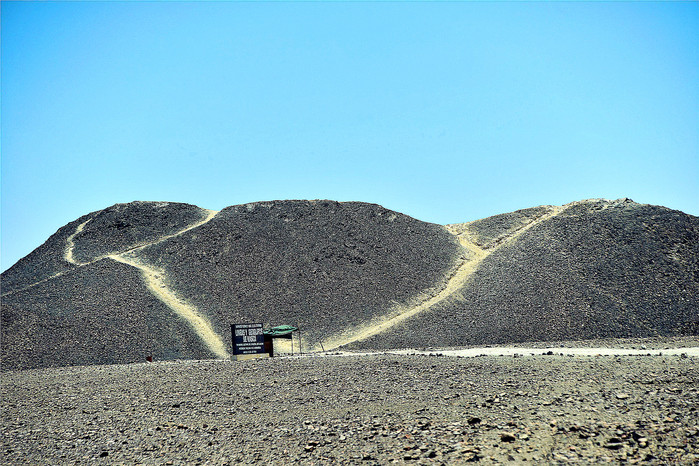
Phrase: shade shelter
x=280 y=331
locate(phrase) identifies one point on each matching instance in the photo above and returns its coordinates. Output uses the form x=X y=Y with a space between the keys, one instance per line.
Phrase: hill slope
x=594 y=269
x=167 y=279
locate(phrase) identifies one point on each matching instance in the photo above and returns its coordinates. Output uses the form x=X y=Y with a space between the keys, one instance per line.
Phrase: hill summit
x=168 y=279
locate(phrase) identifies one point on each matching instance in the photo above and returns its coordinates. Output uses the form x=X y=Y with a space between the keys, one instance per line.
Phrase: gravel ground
x=375 y=409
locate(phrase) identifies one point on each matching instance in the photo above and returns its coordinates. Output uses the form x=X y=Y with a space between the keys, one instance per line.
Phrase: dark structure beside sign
x=281 y=331
x=247 y=339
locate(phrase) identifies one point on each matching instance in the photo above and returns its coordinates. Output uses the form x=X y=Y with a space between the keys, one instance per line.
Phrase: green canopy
x=281 y=331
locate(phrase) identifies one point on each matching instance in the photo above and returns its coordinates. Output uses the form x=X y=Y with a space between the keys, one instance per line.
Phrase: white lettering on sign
x=247 y=338
x=248 y=325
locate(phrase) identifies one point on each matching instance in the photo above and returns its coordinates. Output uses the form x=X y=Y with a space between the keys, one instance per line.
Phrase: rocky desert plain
x=552 y=335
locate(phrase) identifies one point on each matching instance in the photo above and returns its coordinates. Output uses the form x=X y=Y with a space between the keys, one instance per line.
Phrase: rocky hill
x=591 y=269
x=167 y=280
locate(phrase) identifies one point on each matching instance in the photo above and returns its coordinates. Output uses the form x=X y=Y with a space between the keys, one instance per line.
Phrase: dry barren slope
x=69 y=302
x=592 y=269
x=114 y=229
x=168 y=279
x=99 y=314
x=326 y=266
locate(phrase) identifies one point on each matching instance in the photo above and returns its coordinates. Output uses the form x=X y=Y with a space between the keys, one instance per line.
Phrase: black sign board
x=247 y=339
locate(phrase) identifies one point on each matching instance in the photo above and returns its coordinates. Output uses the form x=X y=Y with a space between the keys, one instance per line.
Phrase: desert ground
x=537 y=404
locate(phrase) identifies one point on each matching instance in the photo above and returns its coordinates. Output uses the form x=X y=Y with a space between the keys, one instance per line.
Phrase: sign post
x=248 y=341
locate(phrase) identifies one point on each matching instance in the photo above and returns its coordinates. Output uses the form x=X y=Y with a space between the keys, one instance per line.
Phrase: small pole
x=321 y=347
x=300 y=350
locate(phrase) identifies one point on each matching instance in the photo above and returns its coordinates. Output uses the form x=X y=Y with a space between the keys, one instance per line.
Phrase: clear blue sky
x=448 y=112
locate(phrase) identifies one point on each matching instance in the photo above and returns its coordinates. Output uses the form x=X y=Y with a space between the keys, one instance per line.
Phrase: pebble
x=382 y=409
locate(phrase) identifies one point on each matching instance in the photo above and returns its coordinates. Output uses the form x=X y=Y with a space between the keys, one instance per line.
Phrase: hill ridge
x=70 y=246
x=458 y=278
x=350 y=274
x=155 y=280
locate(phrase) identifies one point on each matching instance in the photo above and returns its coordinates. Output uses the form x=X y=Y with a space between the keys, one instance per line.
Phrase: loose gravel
x=372 y=409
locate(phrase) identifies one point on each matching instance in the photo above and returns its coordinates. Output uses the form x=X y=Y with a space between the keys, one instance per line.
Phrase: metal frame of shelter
x=282 y=331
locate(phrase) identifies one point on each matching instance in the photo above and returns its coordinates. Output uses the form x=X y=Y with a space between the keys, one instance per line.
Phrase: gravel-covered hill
x=125 y=226
x=168 y=279
x=323 y=265
x=493 y=230
x=116 y=228
x=97 y=314
x=596 y=269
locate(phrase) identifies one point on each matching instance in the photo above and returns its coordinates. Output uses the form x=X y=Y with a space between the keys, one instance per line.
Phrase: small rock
x=614 y=443
x=507 y=437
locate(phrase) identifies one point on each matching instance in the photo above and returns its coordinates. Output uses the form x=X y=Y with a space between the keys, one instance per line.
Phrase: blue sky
x=448 y=112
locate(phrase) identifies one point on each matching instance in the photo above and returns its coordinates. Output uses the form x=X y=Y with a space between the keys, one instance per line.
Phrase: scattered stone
x=614 y=443
x=373 y=409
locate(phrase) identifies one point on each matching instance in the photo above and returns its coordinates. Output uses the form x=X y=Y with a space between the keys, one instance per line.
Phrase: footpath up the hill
x=590 y=269
x=166 y=280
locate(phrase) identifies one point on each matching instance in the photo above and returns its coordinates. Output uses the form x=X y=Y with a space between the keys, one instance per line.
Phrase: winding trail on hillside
x=68 y=253
x=70 y=244
x=70 y=241
x=67 y=256
x=460 y=276
x=155 y=280
x=19 y=290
